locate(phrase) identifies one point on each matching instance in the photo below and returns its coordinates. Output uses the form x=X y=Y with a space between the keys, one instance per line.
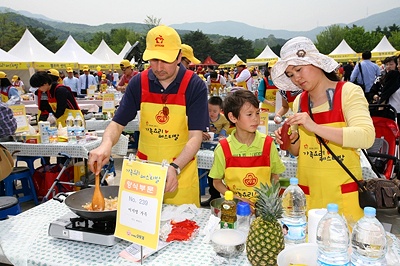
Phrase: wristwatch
x=177 y=169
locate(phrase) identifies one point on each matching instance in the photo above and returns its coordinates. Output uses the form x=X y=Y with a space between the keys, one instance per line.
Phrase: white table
x=205 y=160
x=25 y=241
x=93 y=124
x=33 y=108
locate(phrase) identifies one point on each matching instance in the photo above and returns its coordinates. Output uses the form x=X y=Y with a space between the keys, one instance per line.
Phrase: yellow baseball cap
x=53 y=72
x=162 y=43
x=103 y=76
x=272 y=63
x=85 y=68
x=14 y=78
x=69 y=69
x=187 y=52
x=3 y=75
x=240 y=63
x=125 y=63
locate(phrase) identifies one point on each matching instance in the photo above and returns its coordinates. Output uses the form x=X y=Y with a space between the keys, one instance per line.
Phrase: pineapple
x=265 y=239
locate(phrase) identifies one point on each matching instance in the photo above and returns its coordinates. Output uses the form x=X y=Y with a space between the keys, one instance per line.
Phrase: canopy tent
x=209 y=62
x=383 y=49
x=232 y=62
x=72 y=50
x=13 y=65
x=265 y=56
x=343 y=52
x=104 y=53
x=123 y=52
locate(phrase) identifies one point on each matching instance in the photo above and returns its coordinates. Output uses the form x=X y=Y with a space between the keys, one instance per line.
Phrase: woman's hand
x=302 y=119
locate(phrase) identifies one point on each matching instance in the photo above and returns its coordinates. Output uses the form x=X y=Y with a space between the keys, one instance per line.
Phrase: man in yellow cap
x=188 y=56
x=71 y=81
x=86 y=80
x=243 y=76
x=173 y=114
x=126 y=68
x=8 y=91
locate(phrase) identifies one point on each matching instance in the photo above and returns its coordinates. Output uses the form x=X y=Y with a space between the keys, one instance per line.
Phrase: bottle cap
x=294 y=181
x=369 y=211
x=332 y=207
x=228 y=195
x=243 y=208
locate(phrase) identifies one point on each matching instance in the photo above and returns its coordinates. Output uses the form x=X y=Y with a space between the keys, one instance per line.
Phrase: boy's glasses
x=165 y=109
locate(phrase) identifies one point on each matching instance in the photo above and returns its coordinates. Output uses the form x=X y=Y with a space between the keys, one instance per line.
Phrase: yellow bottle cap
x=228 y=195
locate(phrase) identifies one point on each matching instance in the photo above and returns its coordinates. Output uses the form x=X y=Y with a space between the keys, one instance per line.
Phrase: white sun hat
x=299 y=51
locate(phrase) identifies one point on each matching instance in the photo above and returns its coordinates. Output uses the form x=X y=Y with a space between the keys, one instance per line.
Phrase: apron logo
x=161 y=118
x=250 y=180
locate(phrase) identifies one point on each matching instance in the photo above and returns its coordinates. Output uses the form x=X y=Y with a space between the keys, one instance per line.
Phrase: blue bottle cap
x=294 y=181
x=243 y=208
x=332 y=207
x=369 y=211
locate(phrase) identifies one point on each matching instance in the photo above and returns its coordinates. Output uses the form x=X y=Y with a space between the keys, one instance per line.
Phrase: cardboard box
x=79 y=171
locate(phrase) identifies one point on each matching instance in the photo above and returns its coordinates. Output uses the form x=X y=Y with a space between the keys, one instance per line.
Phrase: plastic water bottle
x=52 y=120
x=70 y=120
x=294 y=221
x=368 y=240
x=243 y=213
x=333 y=238
x=79 y=129
x=71 y=129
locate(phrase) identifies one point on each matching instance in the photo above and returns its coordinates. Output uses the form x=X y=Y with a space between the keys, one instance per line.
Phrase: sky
x=293 y=15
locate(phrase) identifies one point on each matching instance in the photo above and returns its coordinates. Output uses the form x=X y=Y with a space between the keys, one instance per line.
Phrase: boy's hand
x=206 y=136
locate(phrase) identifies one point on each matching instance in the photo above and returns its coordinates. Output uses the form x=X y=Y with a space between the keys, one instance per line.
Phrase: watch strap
x=178 y=170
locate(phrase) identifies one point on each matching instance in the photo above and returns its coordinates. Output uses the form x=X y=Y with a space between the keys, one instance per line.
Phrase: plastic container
x=368 y=240
x=52 y=120
x=243 y=213
x=294 y=221
x=228 y=211
x=69 y=122
x=333 y=238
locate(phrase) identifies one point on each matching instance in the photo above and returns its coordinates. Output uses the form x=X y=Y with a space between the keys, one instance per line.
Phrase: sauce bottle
x=228 y=211
x=285 y=136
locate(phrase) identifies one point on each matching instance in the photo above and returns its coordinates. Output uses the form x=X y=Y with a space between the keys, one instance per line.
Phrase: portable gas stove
x=72 y=227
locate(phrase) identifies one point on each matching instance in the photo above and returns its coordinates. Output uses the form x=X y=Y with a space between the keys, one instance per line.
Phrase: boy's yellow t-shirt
x=239 y=149
x=221 y=123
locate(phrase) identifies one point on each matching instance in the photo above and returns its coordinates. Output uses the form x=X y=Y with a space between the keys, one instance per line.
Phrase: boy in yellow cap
x=173 y=115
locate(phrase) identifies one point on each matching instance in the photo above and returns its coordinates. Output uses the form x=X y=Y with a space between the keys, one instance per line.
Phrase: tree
x=395 y=40
x=230 y=46
x=329 y=39
x=201 y=44
x=152 y=22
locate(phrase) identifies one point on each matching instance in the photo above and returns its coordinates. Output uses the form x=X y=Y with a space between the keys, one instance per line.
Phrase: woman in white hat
x=334 y=110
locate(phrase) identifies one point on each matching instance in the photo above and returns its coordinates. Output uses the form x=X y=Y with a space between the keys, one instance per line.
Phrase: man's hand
x=172 y=181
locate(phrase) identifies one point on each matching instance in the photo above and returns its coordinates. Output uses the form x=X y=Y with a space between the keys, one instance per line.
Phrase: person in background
x=53 y=97
x=86 y=80
x=104 y=83
x=18 y=83
x=370 y=71
x=267 y=90
x=8 y=91
x=347 y=70
x=385 y=82
x=219 y=125
x=288 y=98
x=334 y=110
x=217 y=81
x=243 y=76
x=173 y=114
x=246 y=157
x=110 y=76
x=188 y=56
x=8 y=123
x=126 y=68
x=71 y=81
x=115 y=78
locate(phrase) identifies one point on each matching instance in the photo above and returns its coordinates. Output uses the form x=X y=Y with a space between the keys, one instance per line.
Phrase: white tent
x=6 y=57
x=231 y=62
x=265 y=56
x=383 y=46
x=124 y=50
x=104 y=52
x=343 y=52
x=31 y=50
x=73 y=51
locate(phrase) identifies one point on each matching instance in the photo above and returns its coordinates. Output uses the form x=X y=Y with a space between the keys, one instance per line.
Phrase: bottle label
x=226 y=225
x=294 y=231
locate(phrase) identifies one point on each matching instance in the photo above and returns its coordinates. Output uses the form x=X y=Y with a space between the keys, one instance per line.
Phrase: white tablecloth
x=33 y=108
x=74 y=150
x=205 y=160
x=25 y=241
x=93 y=124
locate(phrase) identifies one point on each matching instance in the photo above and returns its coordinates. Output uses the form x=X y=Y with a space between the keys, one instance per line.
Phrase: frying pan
x=75 y=201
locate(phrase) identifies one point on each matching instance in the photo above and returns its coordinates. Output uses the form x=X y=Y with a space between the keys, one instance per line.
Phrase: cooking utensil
x=98 y=202
x=228 y=243
x=76 y=200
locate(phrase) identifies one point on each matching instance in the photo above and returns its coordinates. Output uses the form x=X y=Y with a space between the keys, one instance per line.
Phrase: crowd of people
x=329 y=102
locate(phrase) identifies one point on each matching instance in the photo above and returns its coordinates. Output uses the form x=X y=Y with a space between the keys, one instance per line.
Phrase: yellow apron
x=163 y=135
x=243 y=83
x=4 y=94
x=244 y=173
x=270 y=95
x=322 y=179
x=53 y=104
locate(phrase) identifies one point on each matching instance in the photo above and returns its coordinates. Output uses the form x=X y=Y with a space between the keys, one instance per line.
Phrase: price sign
x=140 y=201
x=263 y=126
x=91 y=90
x=20 y=115
x=108 y=102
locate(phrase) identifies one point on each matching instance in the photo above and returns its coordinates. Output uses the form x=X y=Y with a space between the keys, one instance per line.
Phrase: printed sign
x=20 y=115
x=108 y=103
